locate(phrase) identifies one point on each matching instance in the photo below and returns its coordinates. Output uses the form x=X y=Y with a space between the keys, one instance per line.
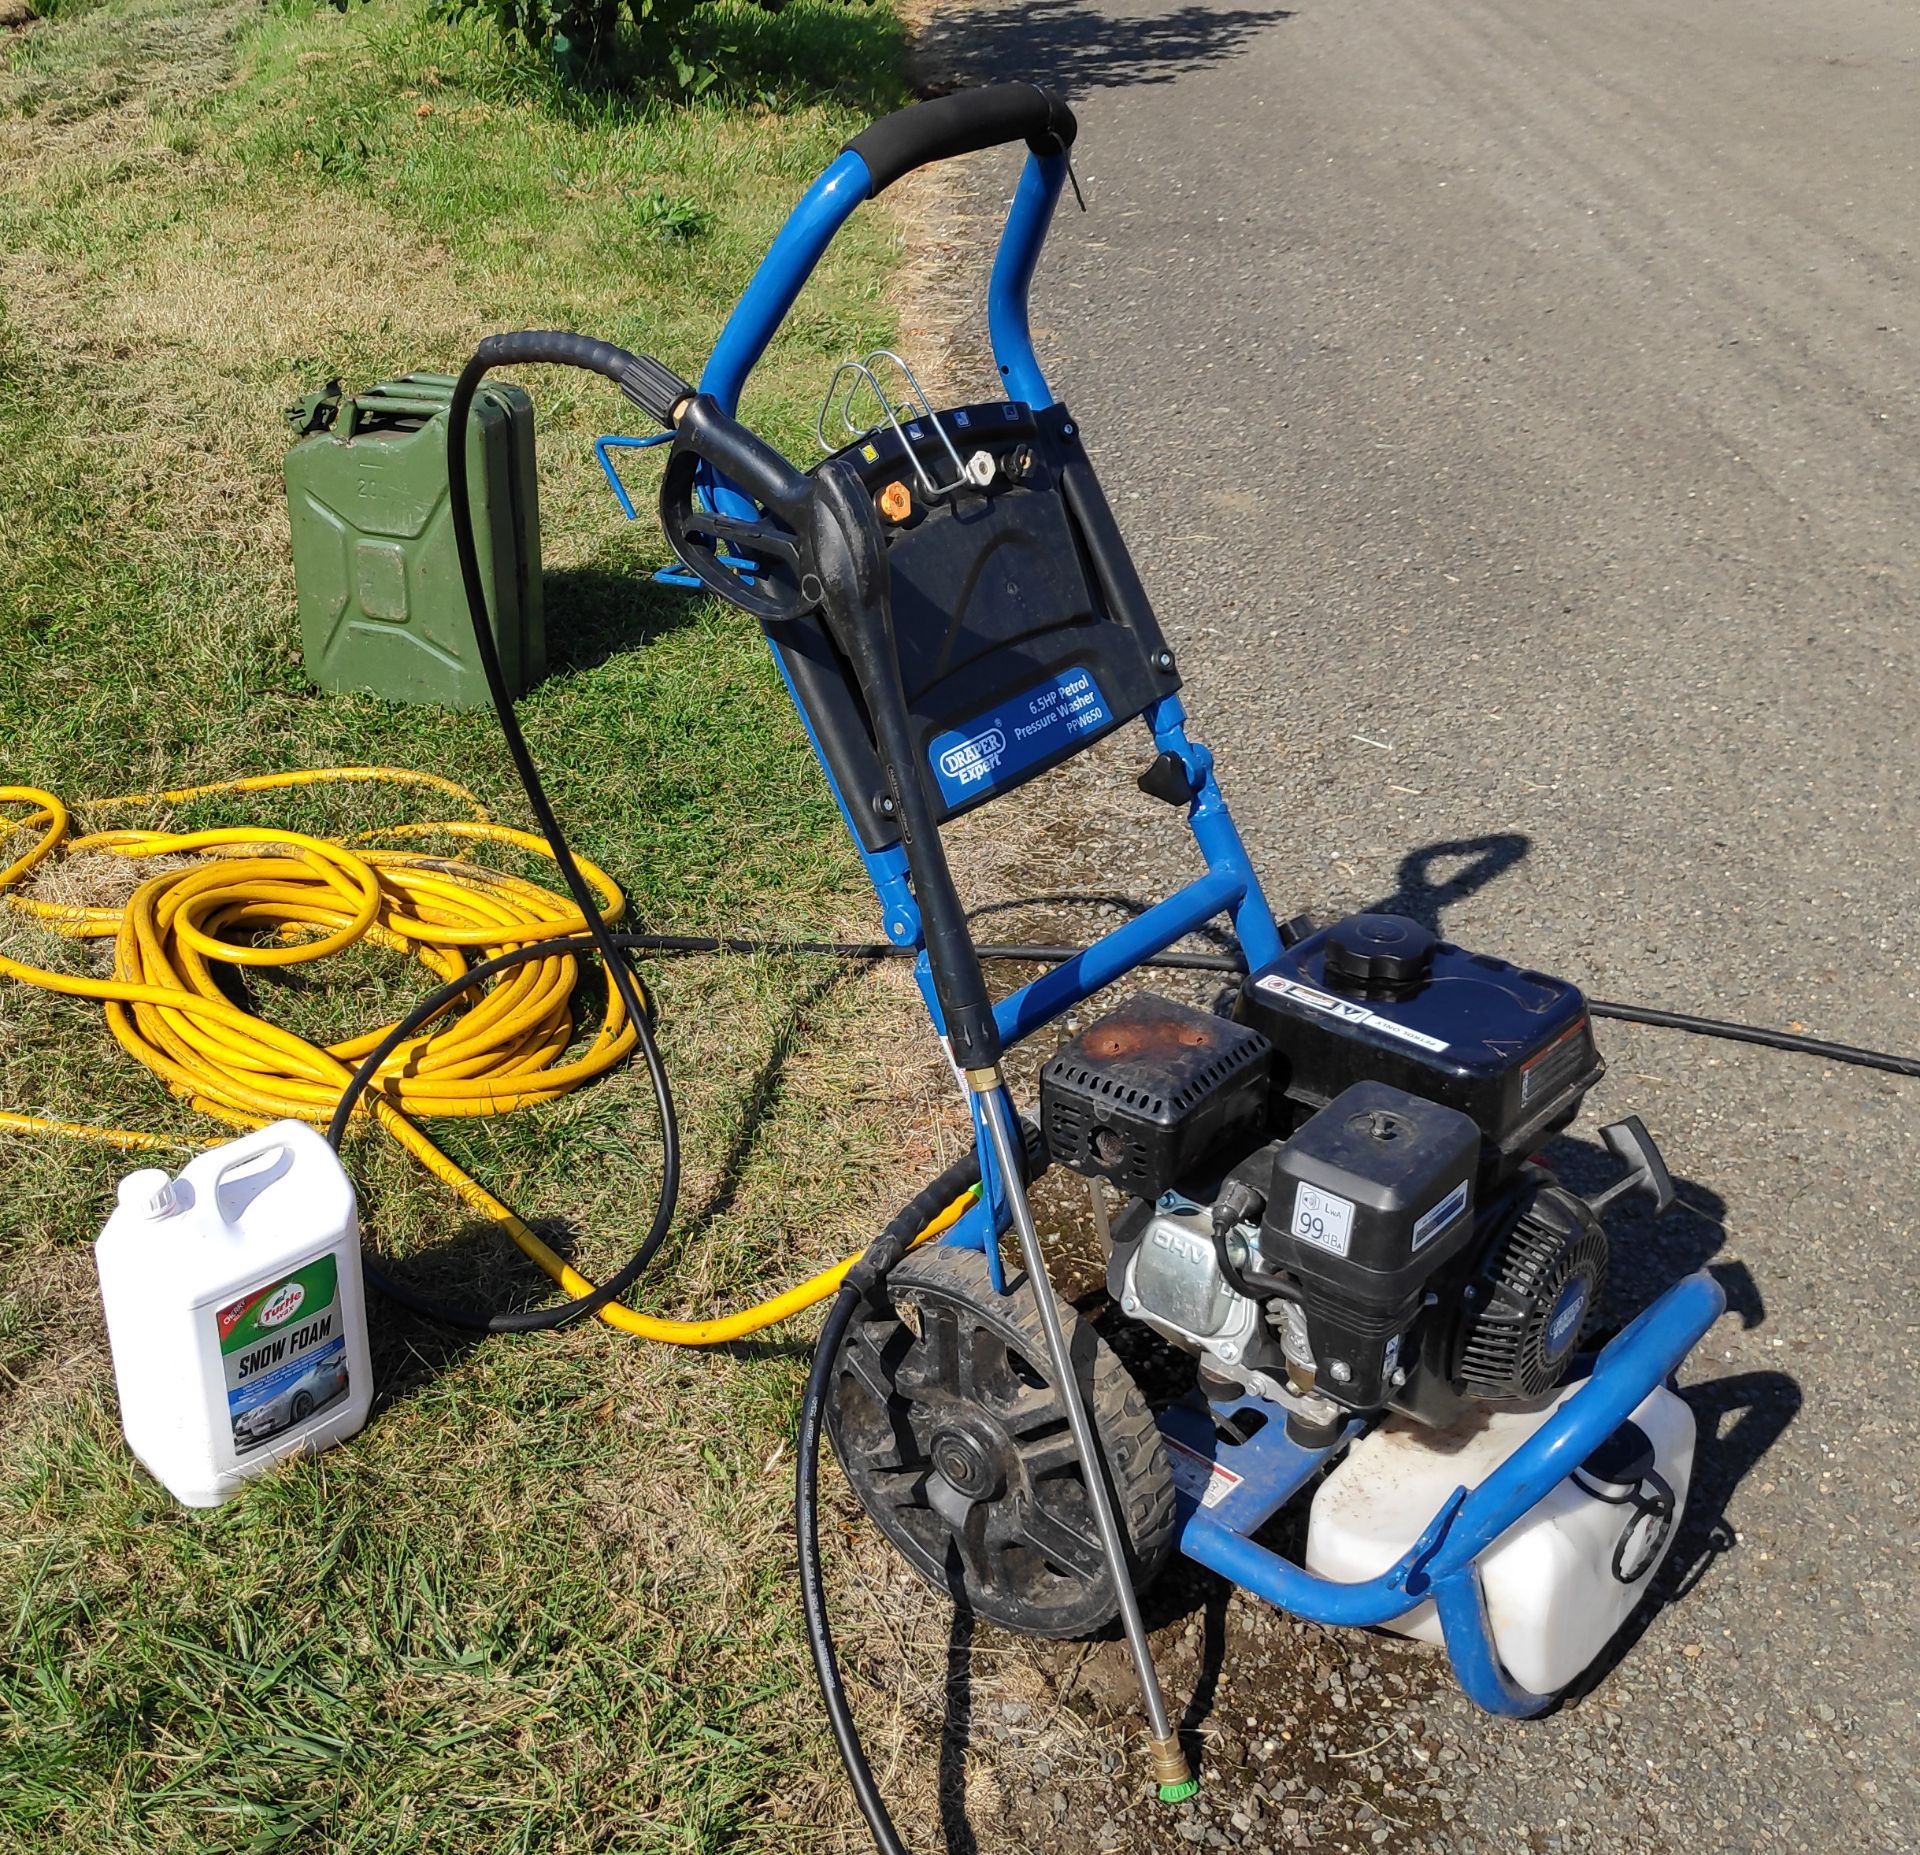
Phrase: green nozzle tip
x=1179 y=1793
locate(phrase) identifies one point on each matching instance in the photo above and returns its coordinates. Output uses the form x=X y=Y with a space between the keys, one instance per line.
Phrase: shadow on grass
x=480 y=1268
x=742 y=55
x=851 y=55
x=593 y=614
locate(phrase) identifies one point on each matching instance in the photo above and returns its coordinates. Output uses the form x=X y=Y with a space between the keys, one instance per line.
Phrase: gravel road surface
x=1512 y=407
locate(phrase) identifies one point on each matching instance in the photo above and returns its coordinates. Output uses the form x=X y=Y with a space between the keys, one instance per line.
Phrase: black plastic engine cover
x=1367 y=1201
x=1512 y=1048
x=1142 y=1096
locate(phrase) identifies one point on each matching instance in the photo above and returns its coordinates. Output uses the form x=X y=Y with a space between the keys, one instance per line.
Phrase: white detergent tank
x=1562 y=1579
x=236 y=1311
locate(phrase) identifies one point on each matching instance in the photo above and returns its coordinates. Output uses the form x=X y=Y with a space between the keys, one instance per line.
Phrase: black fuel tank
x=1378 y=998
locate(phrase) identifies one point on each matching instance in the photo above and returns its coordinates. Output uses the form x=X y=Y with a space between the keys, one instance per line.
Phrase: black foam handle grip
x=960 y=124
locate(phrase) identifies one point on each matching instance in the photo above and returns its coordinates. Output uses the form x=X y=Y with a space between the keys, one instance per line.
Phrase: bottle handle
x=267 y=1143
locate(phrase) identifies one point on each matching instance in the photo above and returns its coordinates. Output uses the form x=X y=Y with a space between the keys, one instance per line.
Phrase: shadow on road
x=1426 y=886
x=1429 y=881
x=1077 y=47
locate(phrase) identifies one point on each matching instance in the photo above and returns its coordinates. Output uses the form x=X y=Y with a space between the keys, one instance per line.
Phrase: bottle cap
x=148 y=1193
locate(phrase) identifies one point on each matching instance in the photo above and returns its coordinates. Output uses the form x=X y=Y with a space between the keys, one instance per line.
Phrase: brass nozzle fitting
x=1170 y=1768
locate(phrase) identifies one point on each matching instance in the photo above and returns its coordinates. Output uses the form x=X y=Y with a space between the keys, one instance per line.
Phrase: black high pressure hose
x=871 y=1269
x=657 y=390
x=1040 y=953
x=806 y=1515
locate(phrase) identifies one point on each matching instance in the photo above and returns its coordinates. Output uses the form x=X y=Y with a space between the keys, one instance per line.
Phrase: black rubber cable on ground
x=577 y=1307
x=1043 y=954
x=813 y=1596
x=886 y=1250
x=1725 y=1028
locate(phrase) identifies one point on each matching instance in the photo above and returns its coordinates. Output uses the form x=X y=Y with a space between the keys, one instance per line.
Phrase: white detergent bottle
x=236 y=1311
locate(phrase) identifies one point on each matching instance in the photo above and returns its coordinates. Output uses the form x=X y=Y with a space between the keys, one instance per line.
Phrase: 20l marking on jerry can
x=235 y=1310
x=382 y=606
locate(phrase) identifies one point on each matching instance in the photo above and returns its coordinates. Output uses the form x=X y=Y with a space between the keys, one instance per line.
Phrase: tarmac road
x=1512 y=407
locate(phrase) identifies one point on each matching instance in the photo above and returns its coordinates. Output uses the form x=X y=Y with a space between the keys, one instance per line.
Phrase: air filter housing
x=1143 y=1096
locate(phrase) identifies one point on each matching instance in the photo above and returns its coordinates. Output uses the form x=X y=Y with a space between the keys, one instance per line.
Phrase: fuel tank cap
x=1368 y=951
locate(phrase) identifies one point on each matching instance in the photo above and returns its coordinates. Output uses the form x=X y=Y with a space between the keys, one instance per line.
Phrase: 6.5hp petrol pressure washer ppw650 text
x=1327 y=1191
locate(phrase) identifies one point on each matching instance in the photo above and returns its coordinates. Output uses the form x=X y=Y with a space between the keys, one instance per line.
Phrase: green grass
x=541 y=1602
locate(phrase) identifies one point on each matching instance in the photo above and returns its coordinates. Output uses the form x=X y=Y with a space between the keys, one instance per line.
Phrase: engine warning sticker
x=1320 y=1217
x=285 y=1352
x=1201 y=1479
x=1347 y=1009
x=1031 y=727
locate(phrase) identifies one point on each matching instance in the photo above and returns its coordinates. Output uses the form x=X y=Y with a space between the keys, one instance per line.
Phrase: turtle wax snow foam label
x=285 y=1352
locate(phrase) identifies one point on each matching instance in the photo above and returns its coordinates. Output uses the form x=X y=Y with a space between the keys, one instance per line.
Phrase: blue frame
x=1442 y=1564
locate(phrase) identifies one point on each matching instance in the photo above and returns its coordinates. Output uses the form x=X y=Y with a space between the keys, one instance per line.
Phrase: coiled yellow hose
x=286 y=899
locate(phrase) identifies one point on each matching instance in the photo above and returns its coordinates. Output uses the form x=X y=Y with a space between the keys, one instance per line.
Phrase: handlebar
x=962 y=124
x=874 y=159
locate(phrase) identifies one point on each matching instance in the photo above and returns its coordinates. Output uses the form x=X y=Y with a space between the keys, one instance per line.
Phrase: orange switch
x=896 y=501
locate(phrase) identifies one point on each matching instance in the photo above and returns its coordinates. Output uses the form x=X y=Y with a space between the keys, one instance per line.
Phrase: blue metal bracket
x=602 y=447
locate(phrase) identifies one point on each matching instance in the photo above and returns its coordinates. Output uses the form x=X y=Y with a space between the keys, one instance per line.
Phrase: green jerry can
x=382 y=609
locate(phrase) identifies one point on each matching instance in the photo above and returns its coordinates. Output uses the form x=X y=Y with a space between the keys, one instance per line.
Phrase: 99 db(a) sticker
x=1321 y=1218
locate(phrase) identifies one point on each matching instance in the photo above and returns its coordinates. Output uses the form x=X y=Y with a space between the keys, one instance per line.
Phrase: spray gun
x=805 y=543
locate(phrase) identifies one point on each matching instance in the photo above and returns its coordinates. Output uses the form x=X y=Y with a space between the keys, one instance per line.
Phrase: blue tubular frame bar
x=822 y=210
x=1025 y=232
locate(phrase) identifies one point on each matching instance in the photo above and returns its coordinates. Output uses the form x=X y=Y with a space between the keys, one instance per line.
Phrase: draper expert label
x=284 y=1350
x=1033 y=726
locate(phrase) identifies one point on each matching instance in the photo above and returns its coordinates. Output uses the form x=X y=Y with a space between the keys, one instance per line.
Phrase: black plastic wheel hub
x=973 y=1464
x=950 y=1433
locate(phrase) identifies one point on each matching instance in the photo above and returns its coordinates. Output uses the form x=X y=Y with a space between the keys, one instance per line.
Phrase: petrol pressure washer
x=1328 y=1191
x=1330 y=1194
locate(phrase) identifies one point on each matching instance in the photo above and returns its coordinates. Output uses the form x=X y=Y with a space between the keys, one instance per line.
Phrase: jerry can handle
x=348 y=422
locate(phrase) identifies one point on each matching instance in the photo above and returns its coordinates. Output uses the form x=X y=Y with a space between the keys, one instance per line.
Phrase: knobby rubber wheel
x=946 y=1422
